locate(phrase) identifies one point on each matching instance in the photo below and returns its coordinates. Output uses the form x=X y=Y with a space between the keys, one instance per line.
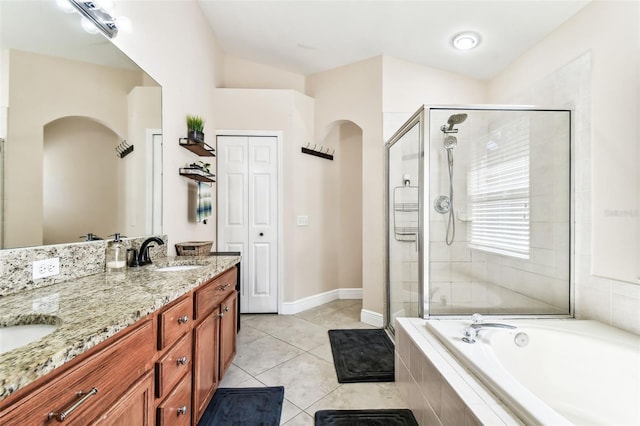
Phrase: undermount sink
x=14 y=336
x=176 y=268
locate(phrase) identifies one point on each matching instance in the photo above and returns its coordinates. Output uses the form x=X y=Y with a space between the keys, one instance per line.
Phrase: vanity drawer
x=176 y=409
x=102 y=377
x=211 y=295
x=173 y=365
x=174 y=322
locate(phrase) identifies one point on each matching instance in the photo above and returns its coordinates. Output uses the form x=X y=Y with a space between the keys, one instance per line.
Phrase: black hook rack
x=321 y=152
x=124 y=149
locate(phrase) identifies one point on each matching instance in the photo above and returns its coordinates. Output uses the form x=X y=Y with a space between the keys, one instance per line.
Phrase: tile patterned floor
x=294 y=351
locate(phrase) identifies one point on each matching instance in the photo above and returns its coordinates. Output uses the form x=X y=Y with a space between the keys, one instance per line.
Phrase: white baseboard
x=291 y=308
x=372 y=318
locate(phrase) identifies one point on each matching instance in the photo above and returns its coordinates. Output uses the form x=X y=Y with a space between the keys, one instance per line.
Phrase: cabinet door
x=135 y=407
x=205 y=362
x=175 y=410
x=228 y=331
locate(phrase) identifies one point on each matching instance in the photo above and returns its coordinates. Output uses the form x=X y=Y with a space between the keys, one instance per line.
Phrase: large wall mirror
x=70 y=102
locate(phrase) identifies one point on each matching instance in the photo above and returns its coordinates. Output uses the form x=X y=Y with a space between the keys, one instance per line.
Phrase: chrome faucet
x=143 y=257
x=471 y=332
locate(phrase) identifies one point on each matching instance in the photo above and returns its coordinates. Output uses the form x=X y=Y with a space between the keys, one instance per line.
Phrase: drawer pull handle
x=224 y=287
x=182 y=410
x=61 y=416
x=182 y=361
x=183 y=320
x=221 y=314
x=226 y=308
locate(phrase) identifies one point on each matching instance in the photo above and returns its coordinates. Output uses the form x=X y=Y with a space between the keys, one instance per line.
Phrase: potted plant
x=195 y=128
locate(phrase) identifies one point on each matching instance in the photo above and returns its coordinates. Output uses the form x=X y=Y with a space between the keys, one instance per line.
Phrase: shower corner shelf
x=197 y=174
x=199 y=148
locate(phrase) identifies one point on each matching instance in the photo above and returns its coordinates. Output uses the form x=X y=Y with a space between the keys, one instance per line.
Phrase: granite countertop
x=91 y=309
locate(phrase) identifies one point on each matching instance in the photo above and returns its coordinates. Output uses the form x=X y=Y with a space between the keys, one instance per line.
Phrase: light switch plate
x=46 y=267
x=303 y=220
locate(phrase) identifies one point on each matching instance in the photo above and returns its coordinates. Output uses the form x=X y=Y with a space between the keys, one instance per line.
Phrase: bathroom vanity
x=144 y=347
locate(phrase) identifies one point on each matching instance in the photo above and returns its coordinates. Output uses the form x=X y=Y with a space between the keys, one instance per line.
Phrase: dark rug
x=244 y=406
x=362 y=355
x=365 y=418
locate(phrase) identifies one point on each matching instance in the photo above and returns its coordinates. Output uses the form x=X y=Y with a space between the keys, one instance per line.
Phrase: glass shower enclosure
x=492 y=211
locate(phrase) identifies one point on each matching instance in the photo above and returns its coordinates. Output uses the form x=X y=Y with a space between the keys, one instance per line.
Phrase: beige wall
x=607 y=176
x=354 y=93
x=80 y=173
x=349 y=188
x=145 y=113
x=174 y=44
x=291 y=113
x=240 y=73
x=62 y=86
x=407 y=86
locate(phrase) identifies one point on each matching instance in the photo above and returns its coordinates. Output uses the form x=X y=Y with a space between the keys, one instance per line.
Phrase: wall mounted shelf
x=197 y=174
x=199 y=148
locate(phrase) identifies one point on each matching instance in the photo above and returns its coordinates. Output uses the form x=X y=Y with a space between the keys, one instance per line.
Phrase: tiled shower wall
x=610 y=301
x=461 y=276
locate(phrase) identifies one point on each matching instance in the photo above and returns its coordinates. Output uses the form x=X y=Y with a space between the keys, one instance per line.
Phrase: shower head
x=456 y=119
x=450 y=142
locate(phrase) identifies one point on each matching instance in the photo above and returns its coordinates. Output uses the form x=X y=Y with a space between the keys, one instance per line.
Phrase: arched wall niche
x=81 y=174
x=342 y=195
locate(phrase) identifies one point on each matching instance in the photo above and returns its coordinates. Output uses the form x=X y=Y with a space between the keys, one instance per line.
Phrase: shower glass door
x=499 y=211
x=404 y=221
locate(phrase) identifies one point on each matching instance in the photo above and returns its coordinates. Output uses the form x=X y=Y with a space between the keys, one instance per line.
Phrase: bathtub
x=569 y=372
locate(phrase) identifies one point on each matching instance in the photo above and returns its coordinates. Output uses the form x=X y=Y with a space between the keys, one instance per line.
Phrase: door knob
x=262 y=234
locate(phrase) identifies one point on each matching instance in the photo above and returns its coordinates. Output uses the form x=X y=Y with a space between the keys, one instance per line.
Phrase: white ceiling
x=308 y=36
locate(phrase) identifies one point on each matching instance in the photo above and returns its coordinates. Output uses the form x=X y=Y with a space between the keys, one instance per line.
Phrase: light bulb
x=466 y=40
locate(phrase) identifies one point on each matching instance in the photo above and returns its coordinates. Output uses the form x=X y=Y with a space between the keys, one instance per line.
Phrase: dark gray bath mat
x=244 y=406
x=401 y=417
x=362 y=355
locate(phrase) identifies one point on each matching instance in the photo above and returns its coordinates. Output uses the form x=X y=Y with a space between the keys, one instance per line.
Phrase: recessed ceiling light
x=466 y=40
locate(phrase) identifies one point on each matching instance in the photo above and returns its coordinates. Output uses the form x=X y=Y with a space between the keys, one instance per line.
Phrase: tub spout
x=471 y=332
x=492 y=325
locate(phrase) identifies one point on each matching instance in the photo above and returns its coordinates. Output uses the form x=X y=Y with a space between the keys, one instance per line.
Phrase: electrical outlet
x=46 y=267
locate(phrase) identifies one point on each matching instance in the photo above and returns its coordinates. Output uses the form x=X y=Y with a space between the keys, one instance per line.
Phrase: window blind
x=499 y=191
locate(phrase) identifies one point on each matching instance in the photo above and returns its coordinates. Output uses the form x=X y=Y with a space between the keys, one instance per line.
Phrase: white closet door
x=248 y=215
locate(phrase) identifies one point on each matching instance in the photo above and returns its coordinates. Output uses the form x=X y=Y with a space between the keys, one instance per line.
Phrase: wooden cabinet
x=214 y=337
x=174 y=322
x=205 y=362
x=173 y=365
x=175 y=410
x=135 y=407
x=153 y=372
x=81 y=392
x=228 y=324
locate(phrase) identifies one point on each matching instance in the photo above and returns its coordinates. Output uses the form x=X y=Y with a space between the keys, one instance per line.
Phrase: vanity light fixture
x=466 y=40
x=97 y=16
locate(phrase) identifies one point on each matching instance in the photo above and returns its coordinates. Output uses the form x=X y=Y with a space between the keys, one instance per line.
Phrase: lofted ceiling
x=309 y=36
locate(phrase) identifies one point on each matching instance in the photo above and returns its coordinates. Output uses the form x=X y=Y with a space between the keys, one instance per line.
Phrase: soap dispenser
x=116 y=255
